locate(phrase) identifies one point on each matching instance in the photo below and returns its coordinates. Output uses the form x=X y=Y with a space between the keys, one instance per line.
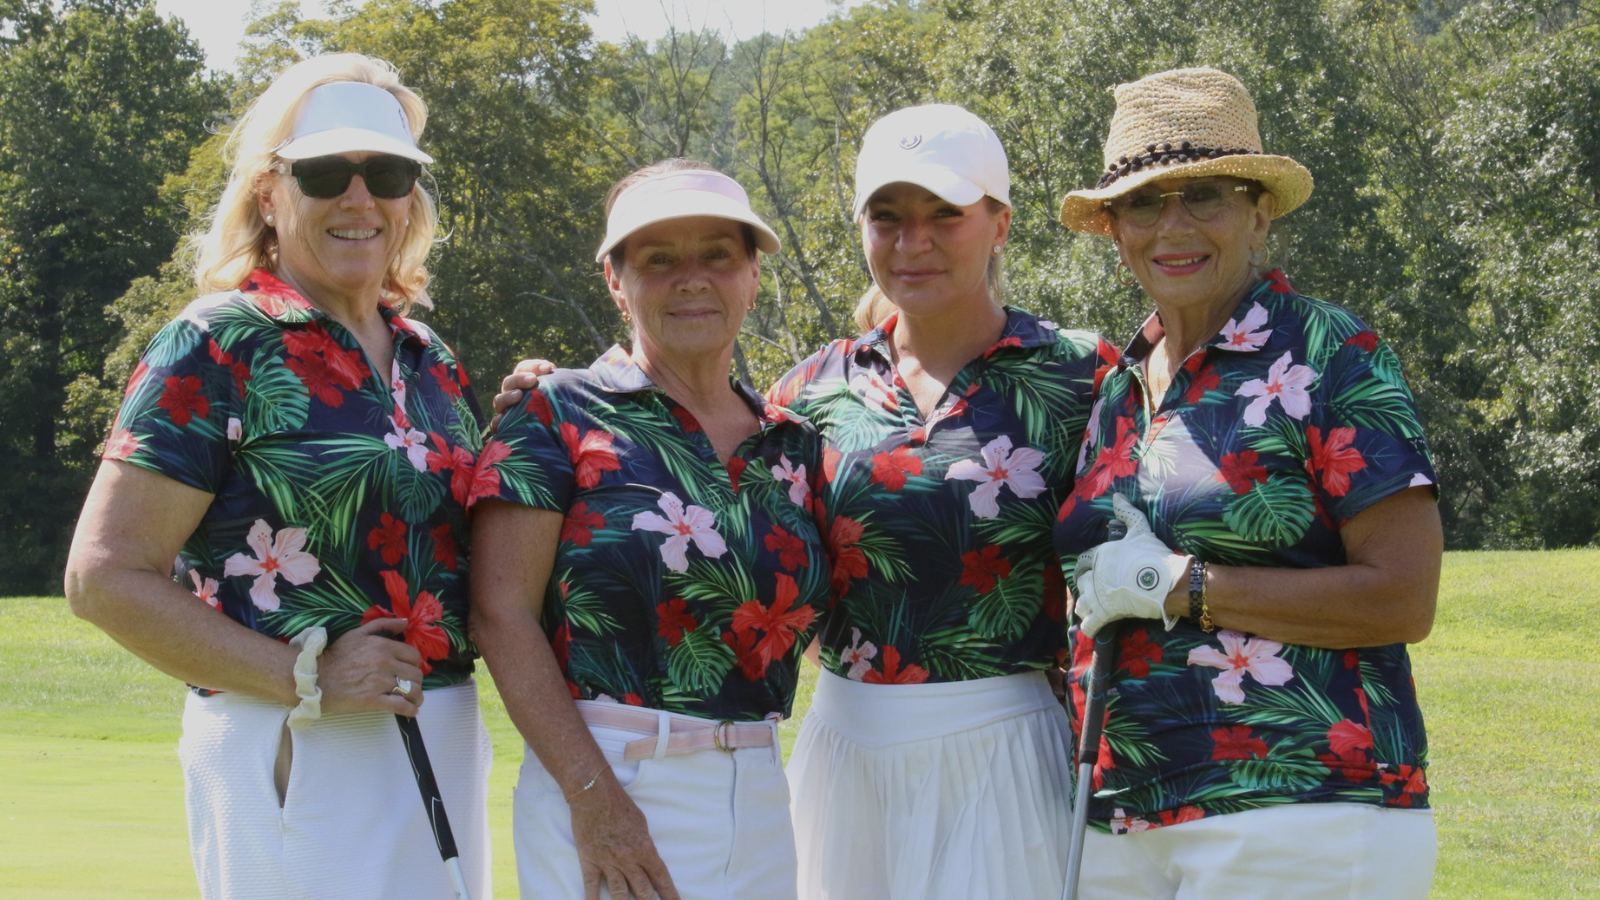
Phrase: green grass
x=93 y=800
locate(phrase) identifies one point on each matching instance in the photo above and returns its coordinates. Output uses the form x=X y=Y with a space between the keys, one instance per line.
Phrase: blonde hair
x=872 y=309
x=236 y=241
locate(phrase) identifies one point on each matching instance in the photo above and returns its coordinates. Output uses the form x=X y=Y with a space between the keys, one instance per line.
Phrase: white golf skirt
x=1308 y=851
x=932 y=791
x=352 y=825
x=720 y=820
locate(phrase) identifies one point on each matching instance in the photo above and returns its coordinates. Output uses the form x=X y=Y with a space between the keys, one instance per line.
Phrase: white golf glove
x=1128 y=578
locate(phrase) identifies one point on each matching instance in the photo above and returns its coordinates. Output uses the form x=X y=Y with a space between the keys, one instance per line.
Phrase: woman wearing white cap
x=1262 y=736
x=934 y=761
x=303 y=449
x=649 y=571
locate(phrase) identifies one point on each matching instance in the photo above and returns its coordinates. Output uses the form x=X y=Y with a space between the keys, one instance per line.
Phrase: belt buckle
x=717 y=735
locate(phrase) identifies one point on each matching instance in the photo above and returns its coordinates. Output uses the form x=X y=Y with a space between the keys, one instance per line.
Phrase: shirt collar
x=1023 y=330
x=618 y=373
x=1246 y=332
x=281 y=303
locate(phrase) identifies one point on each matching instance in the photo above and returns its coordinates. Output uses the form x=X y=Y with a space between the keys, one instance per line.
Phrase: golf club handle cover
x=422 y=768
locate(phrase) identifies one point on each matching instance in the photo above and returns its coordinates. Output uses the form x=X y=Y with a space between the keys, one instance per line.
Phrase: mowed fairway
x=92 y=805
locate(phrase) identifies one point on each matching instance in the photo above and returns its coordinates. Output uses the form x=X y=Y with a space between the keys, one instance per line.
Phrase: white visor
x=351 y=117
x=680 y=195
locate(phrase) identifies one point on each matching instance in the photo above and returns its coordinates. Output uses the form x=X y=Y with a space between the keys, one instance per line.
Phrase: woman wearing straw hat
x=649 y=571
x=933 y=763
x=303 y=449
x=1263 y=733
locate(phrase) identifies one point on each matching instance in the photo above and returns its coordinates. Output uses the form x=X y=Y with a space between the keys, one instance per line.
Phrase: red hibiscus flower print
x=1103 y=763
x=785 y=391
x=344 y=368
x=441 y=374
x=422 y=617
x=1053 y=597
x=632 y=699
x=890 y=469
x=686 y=419
x=579 y=525
x=444 y=547
x=316 y=378
x=1181 y=815
x=980 y=569
x=736 y=466
x=273 y=296
x=121 y=445
x=1410 y=779
x=780 y=625
x=1135 y=654
x=1237 y=743
x=790 y=549
x=1278 y=281
x=849 y=561
x=389 y=539
x=486 y=478
x=182 y=399
x=591 y=455
x=1110 y=463
x=561 y=646
x=1241 y=471
x=892 y=672
x=1352 y=767
x=456 y=460
x=1205 y=381
x=830 y=464
x=1334 y=458
x=1346 y=737
x=539 y=406
x=1366 y=340
x=744 y=643
x=673 y=621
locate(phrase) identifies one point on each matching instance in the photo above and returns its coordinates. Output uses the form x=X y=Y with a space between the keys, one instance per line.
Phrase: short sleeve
x=1366 y=440
x=533 y=458
x=179 y=414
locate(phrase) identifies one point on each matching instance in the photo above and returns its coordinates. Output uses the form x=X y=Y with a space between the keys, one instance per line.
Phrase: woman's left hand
x=1129 y=578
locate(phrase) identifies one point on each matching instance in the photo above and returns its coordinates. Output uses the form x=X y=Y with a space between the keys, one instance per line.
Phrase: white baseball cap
x=940 y=147
x=351 y=117
x=680 y=194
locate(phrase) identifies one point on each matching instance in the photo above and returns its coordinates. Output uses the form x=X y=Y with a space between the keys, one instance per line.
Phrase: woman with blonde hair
x=305 y=452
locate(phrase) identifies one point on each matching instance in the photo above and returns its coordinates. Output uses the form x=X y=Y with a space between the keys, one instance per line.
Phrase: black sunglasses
x=327 y=177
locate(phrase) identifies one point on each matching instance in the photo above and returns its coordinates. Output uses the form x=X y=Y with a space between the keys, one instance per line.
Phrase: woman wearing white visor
x=934 y=762
x=297 y=443
x=649 y=570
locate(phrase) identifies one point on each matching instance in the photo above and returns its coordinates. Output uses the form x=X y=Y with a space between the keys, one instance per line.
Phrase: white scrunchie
x=310 y=644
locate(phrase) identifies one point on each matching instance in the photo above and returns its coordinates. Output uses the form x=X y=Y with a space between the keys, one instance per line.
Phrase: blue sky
x=219 y=24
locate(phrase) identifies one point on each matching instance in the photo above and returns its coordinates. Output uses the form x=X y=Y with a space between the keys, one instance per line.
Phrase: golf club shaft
x=433 y=803
x=1094 y=714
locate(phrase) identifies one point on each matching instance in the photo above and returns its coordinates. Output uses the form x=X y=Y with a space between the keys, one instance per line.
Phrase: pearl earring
x=997 y=249
x=269 y=220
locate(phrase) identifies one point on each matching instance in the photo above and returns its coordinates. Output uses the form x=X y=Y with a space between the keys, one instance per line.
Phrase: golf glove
x=1128 y=578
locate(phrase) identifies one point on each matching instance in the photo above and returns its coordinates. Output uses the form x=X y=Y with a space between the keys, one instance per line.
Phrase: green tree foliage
x=100 y=101
x=1455 y=145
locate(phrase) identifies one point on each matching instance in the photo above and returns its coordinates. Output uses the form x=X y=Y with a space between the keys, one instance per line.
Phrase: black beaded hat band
x=1164 y=155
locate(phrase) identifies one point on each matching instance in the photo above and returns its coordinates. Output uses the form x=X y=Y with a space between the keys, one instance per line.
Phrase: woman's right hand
x=614 y=845
x=361 y=670
x=525 y=377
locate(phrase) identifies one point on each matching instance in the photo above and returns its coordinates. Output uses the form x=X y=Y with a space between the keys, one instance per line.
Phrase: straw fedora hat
x=1189 y=123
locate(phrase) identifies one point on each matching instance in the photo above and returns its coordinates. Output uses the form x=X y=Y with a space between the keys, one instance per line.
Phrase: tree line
x=1455 y=145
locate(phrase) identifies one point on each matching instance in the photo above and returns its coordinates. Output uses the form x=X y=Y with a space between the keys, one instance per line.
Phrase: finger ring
x=401 y=686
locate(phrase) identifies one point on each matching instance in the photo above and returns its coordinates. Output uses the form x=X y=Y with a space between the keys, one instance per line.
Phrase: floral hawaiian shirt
x=680 y=583
x=939 y=528
x=1288 y=423
x=337 y=499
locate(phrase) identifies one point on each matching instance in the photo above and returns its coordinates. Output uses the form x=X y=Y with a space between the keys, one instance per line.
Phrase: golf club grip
x=422 y=768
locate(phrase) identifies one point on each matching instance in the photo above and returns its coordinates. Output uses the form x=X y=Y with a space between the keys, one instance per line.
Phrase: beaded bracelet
x=592 y=782
x=1198 y=610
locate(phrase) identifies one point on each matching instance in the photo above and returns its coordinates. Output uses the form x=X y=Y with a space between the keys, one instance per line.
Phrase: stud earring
x=269 y=220
x=627 y=319
x=997 y=249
